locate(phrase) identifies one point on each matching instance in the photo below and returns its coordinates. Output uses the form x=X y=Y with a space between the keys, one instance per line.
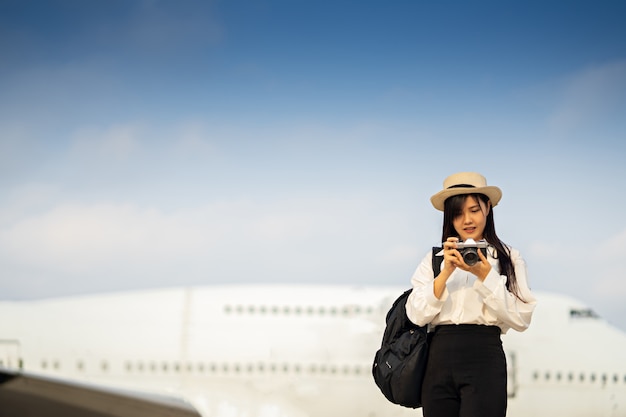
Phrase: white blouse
x=467 y=300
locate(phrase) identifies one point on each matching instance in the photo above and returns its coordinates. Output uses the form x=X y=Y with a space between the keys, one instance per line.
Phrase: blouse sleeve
x=512 y=311
x=422 y=305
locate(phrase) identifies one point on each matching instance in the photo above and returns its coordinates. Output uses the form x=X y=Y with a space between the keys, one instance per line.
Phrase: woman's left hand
x=480 y=269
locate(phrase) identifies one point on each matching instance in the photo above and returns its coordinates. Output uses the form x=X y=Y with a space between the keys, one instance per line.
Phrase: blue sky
x=150 y=144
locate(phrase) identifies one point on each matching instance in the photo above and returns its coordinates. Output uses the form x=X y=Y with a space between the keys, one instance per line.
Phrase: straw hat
x=465 y=183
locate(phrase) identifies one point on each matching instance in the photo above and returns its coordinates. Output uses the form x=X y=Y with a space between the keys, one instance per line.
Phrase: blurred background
x=150 y=144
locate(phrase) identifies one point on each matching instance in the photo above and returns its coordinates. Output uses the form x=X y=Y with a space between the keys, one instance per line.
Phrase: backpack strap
x=437 y=260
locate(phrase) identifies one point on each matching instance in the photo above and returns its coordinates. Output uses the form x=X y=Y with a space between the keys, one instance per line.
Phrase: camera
x=469 y=250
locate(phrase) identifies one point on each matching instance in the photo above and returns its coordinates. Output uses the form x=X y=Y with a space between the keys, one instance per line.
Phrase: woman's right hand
x=451 y=256
x=450 y=261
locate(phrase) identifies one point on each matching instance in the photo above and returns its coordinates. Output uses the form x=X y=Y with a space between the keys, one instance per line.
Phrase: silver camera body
x=469 y=250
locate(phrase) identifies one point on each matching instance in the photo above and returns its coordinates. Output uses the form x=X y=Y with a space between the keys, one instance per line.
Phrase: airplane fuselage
x=293 y=350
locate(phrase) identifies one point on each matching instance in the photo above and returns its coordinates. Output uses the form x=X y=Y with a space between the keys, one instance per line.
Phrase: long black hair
x=453 y=207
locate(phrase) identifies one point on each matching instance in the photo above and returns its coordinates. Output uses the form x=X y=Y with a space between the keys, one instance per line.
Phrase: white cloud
x=401 y=253
x=608 y=281
x=118 y=142
x=195 y=138
x=592 y=272
x=612 y=249
x=78 y=238
x=24 y=200
x=544 y=249
x=320 y=238
x=597 y=93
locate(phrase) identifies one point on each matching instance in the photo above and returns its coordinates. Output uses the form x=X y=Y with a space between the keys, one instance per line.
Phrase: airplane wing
x=26 y=395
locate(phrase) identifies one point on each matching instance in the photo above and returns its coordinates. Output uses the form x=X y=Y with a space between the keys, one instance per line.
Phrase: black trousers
x=466 y=373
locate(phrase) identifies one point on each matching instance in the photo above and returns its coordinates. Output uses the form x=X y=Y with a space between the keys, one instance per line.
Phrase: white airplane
x=271 y=351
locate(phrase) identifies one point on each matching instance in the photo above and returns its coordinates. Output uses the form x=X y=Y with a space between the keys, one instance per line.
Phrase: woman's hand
x=480 y=269
x=451 y=256
x=450 y=262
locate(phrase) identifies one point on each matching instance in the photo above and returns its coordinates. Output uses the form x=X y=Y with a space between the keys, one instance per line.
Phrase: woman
x=469 y=306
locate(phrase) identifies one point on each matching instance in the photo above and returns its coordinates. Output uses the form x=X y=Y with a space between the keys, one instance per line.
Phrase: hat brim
x=494 y=194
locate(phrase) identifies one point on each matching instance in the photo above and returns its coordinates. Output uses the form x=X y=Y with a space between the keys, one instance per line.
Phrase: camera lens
x=470 y=256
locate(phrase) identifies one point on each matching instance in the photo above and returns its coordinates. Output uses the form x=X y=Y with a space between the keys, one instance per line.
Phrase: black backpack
x=400 y=363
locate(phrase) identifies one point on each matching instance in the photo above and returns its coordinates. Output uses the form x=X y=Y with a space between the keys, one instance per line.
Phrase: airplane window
x=140 y=366
x=582 y=377
x=547 y=376
x=583 y=313
x=558 y=376
x=129 y=367
x=593 y=377
x=228 y=309
x=80 y=365
x=535 y=375
x=105 y=366
x=164 y=367
x=570 y=377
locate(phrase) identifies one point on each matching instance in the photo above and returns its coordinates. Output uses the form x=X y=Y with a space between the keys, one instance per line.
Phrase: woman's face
x=470 y=223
